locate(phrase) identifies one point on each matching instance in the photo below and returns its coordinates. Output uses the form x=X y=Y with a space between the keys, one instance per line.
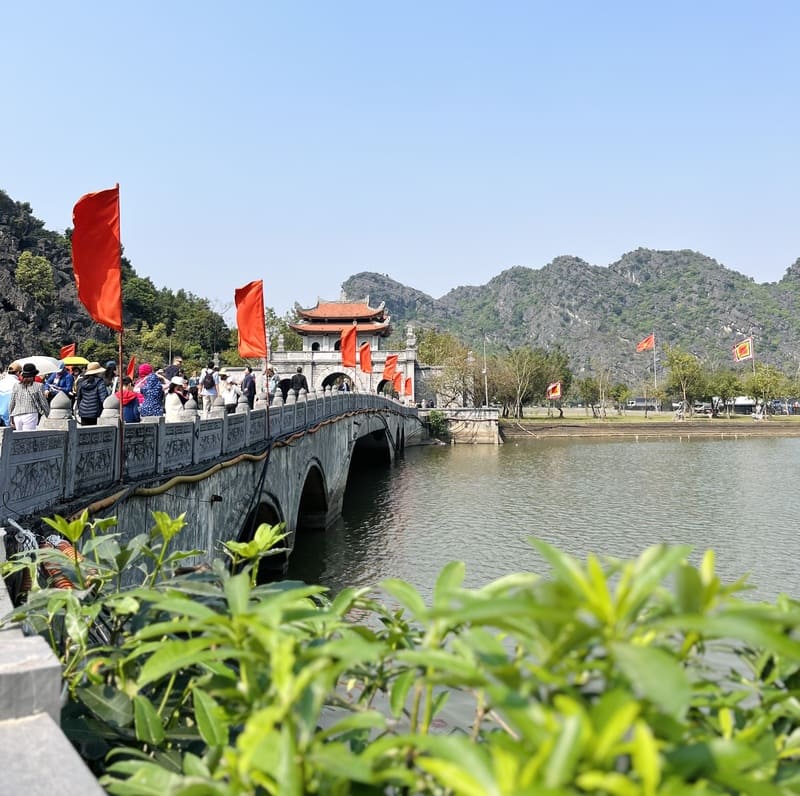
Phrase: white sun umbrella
x=44 y=365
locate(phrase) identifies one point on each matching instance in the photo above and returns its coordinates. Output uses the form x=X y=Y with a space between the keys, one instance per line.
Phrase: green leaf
x=210 y=718
x=147 y=721
x=450 y=579
x=655 y=675
x=646 y=762
x=237 y=591
x=407 y=595
x=565 y=568
x=399 y=692
x=560 y=766
x=366 y=720
x=172 y=656
x=107 y=703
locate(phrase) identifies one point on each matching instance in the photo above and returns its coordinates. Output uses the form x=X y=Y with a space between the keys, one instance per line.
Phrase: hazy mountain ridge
x=597 y=314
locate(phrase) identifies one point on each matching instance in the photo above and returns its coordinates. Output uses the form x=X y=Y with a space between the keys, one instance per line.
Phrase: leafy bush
x=639 y=677
x=437 y=424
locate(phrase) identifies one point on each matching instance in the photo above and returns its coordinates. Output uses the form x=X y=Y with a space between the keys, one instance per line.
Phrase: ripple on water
x=481 y=504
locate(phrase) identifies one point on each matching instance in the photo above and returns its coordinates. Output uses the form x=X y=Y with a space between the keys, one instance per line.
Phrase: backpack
x=130 y=412
x=208 y=381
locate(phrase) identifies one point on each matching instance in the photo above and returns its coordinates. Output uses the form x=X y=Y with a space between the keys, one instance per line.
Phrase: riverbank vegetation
x=516 y=381
x=647 y=676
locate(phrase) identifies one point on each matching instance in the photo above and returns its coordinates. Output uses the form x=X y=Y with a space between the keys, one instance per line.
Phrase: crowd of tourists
x=25 y=394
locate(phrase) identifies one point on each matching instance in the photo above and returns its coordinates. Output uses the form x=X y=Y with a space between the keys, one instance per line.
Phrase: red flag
x=646 y=344
x=131 y=371
x=347 y=347
x=390 y=366
x=250 y=320
x=554 y=391
x=743 y=350
x=96 y=252
x=67 y=351
x=365 y=358
x=397 y=382
x=408 y=389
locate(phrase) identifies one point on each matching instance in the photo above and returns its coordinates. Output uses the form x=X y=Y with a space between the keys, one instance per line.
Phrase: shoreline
x=730 y=429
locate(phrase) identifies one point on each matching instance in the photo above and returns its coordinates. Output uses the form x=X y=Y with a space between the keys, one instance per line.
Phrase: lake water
x=480 y=504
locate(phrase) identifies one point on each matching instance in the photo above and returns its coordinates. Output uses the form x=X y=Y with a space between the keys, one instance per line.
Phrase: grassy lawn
x=537 y=414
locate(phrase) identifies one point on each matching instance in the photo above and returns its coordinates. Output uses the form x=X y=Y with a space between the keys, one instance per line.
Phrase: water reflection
x=480 y=504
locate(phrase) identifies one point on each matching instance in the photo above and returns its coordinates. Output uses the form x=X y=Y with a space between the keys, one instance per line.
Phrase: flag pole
x=121 y=409
x=655 y=377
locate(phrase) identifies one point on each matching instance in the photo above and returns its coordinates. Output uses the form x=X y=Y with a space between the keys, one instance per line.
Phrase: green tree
x=685 y=374
x=34 y=275
x=766 y=383
x=725 y=385
x=588 y=392
x=620 y=393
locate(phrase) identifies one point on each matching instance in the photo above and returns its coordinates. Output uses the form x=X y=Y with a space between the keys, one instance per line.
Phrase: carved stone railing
x=62 y=460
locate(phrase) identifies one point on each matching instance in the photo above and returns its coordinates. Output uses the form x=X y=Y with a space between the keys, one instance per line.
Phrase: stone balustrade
x=63 y=460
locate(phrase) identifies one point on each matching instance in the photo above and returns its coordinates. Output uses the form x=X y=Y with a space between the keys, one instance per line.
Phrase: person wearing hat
x=27 y=403
x=7 y=382
x=175 y=399
x=151 y=386
x=90 y=394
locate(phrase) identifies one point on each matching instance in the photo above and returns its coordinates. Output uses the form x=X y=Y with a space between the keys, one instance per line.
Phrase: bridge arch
x=312 y=508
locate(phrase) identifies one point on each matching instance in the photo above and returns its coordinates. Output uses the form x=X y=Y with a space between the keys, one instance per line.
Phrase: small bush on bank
x=437 y=424
x=611 y=677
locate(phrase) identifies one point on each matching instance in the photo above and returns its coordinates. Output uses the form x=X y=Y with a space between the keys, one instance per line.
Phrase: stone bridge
x=226 y=472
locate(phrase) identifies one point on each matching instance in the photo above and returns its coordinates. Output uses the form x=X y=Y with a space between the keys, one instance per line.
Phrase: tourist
x=27 y=402
x=60 y=380
x=229 y=391
x=90 y=394
x=175 y=369
x=10 y=378
x=299 y=381
x=151 y=387
x=249 y=386
x=129 y=401
x=209 y=380
x=273 y=383
x=110 y=377
x=175 y=399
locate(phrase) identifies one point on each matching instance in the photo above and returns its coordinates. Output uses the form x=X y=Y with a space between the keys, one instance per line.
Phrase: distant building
x=320 y=328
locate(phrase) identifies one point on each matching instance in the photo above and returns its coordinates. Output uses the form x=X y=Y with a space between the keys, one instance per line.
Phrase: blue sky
x=437 y=142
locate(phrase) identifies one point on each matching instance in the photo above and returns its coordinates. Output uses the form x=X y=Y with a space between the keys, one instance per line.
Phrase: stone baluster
x=60 y=413
x=110 y=414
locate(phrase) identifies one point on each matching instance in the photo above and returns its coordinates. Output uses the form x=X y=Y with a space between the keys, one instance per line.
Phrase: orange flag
x=67 y=351
x=397 y=382
x=408 y=389
x=96 y=252
x=250 y=319
x=365 y=358
x=390 y=366
x=348 y=347
x=553 y=391
x=646 y=344
x=131 y=371
x=743 y=350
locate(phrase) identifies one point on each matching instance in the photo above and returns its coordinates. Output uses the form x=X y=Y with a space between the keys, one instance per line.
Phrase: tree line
x=513 y=378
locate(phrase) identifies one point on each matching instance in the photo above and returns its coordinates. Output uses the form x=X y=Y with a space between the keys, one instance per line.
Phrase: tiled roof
x=343 y=310
x=379 y=327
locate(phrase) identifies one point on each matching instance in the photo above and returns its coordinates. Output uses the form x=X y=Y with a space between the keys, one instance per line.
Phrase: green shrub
x=611 y=677
x=437 y=424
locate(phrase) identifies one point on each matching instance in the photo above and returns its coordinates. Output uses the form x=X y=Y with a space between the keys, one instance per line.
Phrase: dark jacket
x=91 y=394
